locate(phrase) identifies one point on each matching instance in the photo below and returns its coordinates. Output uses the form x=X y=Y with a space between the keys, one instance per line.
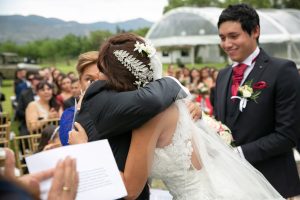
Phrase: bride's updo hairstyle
x=118 y=60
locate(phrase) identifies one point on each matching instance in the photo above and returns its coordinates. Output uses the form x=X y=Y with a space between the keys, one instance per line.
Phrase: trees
x=66 y=48
x=287 y=4
x=8 y=46
x=96 y=38
x=224 y=3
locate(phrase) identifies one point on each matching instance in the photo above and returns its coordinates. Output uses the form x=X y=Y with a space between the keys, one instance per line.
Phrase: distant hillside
x=22 y=29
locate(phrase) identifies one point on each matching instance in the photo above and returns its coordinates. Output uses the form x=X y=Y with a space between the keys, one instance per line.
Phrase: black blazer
x=25 y=98
x=267 y=130
x=110 y=115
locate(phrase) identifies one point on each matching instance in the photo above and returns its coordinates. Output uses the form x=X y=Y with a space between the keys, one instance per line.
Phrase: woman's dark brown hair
x=46 y=136
x=119 y=77
x=52 y=103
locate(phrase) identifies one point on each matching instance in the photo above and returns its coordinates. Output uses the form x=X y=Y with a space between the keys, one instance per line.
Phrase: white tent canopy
x=189 y=26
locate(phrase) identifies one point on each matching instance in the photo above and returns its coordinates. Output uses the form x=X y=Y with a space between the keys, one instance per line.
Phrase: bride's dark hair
x=119 y=77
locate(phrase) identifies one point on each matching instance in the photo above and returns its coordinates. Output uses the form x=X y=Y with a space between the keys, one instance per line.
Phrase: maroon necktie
x=237 y=77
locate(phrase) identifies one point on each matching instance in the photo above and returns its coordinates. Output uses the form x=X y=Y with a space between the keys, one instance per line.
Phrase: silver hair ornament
x=142 y=73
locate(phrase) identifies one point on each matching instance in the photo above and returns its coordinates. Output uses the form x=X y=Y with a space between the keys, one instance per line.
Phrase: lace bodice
x=172 y=164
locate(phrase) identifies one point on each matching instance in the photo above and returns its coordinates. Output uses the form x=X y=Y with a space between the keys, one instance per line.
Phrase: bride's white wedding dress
x=223 y=176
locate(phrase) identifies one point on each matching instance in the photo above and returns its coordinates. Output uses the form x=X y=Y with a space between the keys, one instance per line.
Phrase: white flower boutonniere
x=247 y=92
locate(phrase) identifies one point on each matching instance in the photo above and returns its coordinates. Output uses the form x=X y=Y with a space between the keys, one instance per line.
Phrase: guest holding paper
x=64 y=185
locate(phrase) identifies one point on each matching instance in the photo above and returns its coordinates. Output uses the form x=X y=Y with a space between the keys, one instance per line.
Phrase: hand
x=195 y=110
x=65 y=181
x=51 y=146
x=9 y=163
x=77 y=137
x=31 y=182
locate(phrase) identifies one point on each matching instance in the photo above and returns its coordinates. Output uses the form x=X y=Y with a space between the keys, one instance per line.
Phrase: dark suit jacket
x=267 y=130
x=110 y=115
x=25 y=98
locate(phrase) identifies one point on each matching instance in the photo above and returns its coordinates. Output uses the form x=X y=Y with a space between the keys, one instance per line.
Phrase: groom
x=266 y=129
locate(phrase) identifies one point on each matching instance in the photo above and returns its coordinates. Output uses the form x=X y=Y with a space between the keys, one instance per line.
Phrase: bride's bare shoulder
x=168 y=124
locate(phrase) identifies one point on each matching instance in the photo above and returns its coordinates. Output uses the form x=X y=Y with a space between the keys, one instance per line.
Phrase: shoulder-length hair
x=52 y=103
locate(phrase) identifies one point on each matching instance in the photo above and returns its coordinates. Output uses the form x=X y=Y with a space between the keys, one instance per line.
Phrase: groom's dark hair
x=243 y=13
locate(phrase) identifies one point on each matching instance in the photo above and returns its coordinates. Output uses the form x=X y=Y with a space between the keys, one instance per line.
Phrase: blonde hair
x=85 y=60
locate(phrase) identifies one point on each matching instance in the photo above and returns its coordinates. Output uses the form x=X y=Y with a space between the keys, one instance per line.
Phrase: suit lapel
x=257 y=71
x=222 y=94
x=259 y=67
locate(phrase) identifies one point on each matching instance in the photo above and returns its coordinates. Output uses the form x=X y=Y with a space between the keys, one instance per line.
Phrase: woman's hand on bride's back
x=79 y=136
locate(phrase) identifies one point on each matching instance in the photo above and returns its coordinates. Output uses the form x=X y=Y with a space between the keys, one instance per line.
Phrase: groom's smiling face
x=236 y=42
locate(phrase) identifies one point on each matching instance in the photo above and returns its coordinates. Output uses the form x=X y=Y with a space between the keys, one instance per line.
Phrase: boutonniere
x=248 y=92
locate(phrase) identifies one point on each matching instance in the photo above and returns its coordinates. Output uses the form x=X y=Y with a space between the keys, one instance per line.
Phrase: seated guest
x=50 y=138
x=44 y=108
x=65 y=92
x=20 y=82
x=25 y=98
x=76 y=91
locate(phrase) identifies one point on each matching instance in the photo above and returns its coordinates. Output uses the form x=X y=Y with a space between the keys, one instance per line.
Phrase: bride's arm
x=140 y=156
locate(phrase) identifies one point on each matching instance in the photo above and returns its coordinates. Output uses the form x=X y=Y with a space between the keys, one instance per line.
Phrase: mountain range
x=21 y=29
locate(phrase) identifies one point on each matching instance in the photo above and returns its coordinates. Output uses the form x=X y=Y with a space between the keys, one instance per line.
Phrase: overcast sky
x=86 y=11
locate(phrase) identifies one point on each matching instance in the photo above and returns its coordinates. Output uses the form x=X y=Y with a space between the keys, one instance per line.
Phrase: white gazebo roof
x=189 y=26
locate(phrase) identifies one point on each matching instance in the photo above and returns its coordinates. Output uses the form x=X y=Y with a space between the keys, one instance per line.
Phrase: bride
x=189 y=157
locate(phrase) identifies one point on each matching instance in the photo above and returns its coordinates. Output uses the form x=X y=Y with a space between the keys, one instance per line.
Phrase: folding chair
x=39 y=126
x=4 y=118
x=25 y=146
x=5 y=134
